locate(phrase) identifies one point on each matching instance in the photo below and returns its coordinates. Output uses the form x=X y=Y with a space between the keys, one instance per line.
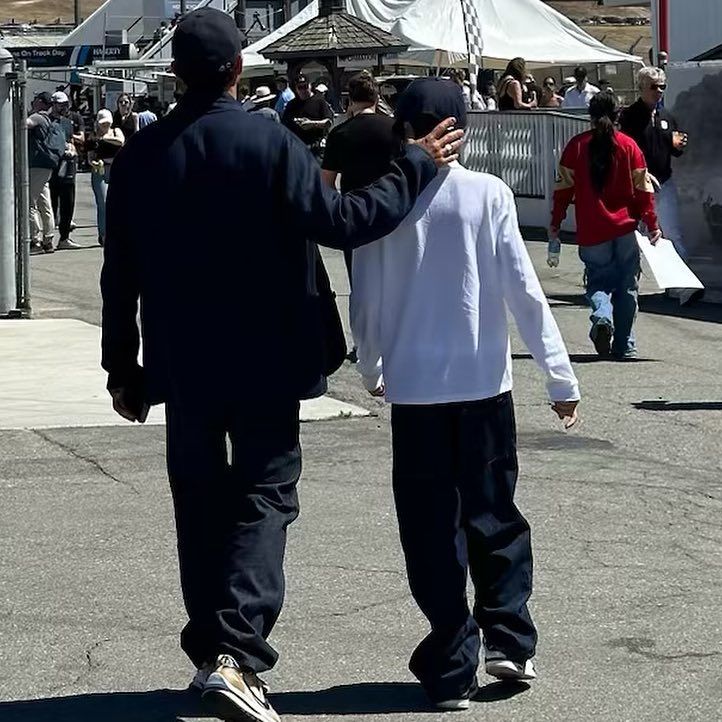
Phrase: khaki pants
x=42 y=221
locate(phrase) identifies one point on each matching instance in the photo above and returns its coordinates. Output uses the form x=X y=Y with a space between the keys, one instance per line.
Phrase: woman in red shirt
x=603 y=172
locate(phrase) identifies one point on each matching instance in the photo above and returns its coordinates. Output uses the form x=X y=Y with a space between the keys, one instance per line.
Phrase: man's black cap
x=206 y=44
x=428 y=101
x=45 y=97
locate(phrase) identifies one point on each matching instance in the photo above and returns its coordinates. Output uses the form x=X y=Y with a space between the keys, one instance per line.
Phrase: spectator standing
x=261 y=104
x=214 y=163
x=604 y=173
x=489 y=96
x=656 y=132
x=549 y=96
x=513 y=94
x=124 y=118
x=284 y=97
x=46 y=148
x=309 y=117
x=62 y=180
x=429 y=312
x=103 y=147
x=581 y=93
x=145 y=116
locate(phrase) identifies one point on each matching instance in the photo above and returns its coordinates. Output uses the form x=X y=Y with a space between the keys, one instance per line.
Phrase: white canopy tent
x=435 y=32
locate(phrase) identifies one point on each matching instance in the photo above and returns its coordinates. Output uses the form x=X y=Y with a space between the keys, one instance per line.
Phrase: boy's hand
x=567 y=412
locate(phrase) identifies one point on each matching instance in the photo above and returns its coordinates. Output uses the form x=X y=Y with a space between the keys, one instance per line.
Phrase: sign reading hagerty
x=69 y=55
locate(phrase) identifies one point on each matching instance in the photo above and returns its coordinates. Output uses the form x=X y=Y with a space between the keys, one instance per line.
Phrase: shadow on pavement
x=587 y=358
x=655 y=304
x=161 y=705
x=679 y=405
x=165 y=705
x=377 y=698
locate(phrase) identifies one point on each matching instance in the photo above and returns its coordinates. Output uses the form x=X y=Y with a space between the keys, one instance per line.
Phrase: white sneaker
x=506 y=669
x=236 y=694
x=459 y=704
x=202 y=674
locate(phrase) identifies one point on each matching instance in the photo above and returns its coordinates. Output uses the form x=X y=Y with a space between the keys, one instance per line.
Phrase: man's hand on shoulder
x=443 y=143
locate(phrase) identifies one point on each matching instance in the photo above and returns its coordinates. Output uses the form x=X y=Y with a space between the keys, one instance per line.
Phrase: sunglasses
x=658 y=86
x=549 y=84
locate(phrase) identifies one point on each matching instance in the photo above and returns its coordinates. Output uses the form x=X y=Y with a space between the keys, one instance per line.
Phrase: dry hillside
x=44 y=11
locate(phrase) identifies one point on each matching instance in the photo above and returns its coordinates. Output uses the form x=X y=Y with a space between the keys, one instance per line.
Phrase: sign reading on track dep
x=59 y=56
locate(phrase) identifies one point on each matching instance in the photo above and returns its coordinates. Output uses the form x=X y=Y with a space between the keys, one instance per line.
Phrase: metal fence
x=523 y=148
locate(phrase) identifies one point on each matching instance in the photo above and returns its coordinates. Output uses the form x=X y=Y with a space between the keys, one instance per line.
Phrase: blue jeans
x=99 y=181
x=613 y=270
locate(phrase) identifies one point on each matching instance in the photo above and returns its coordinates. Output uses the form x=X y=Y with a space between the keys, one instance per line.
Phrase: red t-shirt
x=627 y=198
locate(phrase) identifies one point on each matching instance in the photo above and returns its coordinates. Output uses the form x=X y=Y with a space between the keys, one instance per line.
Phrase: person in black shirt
x=308 y=116
x=656 y=132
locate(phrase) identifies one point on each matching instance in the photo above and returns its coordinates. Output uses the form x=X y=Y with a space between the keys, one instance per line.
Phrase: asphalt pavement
x=626 y=513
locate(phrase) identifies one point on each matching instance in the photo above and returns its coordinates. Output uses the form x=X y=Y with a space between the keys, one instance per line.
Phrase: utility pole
x=8 y=289
x=287 y=12
x=240 y=16
x=76 y=12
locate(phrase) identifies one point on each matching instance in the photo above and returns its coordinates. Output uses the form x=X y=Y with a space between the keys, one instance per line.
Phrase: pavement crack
x=351 y=568
x=366 y=607
x=643 y=647
x=87 y=459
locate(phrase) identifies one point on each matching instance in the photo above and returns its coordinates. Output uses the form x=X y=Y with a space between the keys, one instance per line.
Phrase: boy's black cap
x=428 y=101
x=206 y=44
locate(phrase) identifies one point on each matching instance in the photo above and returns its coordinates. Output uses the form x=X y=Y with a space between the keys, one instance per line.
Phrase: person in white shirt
x=429 y=314
x=580 y=94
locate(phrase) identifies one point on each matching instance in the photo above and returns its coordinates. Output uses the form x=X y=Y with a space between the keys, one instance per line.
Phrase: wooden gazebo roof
x=334 y=33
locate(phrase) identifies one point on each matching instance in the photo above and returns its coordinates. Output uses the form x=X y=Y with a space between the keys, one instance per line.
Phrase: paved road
x=626 y=514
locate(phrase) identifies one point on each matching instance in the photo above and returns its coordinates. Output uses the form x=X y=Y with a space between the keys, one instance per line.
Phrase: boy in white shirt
x=428 y=313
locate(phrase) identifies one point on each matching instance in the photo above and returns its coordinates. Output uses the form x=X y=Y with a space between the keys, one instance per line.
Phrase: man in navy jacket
x=212 y=216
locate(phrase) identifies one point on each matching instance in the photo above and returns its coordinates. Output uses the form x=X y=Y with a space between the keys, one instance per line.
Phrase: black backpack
x=48 y=144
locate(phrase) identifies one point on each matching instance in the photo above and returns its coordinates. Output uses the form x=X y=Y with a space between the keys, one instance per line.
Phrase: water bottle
x=554 y=252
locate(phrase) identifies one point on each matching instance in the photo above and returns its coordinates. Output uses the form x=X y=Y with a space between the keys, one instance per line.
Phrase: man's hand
x=654 y=236
x=443 y=143
x=567 y=412
x=679 y=140
x=120 y=404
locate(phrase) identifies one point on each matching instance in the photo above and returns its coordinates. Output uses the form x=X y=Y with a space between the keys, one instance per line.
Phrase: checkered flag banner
x=474 y=41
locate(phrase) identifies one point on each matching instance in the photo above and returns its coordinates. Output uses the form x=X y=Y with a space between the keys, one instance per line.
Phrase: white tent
x=434 y=30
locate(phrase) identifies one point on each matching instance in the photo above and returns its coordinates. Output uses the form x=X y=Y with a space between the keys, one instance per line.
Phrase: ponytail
x=603 y=111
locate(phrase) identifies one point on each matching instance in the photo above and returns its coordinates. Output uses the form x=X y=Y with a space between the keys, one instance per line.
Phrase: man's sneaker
x=601 y=336
x=232 y=693
x=47 y=245
x=201 y=677
x=459 y=703
x=506 y=669
x=629 y=355
x=66 y=244
x=35 y=248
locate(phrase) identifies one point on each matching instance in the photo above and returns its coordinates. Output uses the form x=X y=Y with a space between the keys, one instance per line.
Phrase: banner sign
x=69 y=55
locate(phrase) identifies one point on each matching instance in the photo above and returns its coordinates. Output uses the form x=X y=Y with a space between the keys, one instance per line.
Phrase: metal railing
x=522 y=148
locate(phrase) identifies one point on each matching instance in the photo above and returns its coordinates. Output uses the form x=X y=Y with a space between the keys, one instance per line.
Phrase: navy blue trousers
x=231 y=521
x=455 y=473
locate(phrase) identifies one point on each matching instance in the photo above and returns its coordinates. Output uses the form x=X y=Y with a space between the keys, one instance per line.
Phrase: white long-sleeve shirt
x=428 y=308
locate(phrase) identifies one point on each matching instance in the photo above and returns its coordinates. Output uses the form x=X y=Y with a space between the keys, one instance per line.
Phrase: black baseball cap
x=428 y=101
x=206 y=44
x=45 y=97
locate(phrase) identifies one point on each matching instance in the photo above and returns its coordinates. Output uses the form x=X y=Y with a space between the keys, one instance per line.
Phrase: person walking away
x=657 y=133
x=124 y=118
x=62 y=179
x=581 y=93
x=46 y=148
x=308 y=116
x=429 y=313
x=261 y=102
x=549 y=97
x=103 y=147
x=513 y=94
x=215 y=163
x=145 y=115
x=604 y=173
x=284 y=97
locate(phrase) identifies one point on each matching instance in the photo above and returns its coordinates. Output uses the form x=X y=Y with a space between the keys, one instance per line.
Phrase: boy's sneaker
x=460 y=703
x=508 y=670
x=601 y=336
x=236 y=694
x=202 y=674
x=67 y=244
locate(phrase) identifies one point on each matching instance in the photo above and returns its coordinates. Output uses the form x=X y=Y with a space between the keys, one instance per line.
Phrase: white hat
x=60 y=97
x=322 y=88
x=104 y=116
x=263 y=95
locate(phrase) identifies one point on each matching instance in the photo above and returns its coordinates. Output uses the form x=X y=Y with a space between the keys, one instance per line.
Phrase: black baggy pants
x=231 y=520
x=62 y=193
x=455 y=472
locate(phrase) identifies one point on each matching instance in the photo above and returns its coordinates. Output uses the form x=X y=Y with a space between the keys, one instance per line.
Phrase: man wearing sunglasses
x=657 y=134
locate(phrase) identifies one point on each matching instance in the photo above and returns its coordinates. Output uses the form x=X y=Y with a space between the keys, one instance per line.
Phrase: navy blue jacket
x=211 y=218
